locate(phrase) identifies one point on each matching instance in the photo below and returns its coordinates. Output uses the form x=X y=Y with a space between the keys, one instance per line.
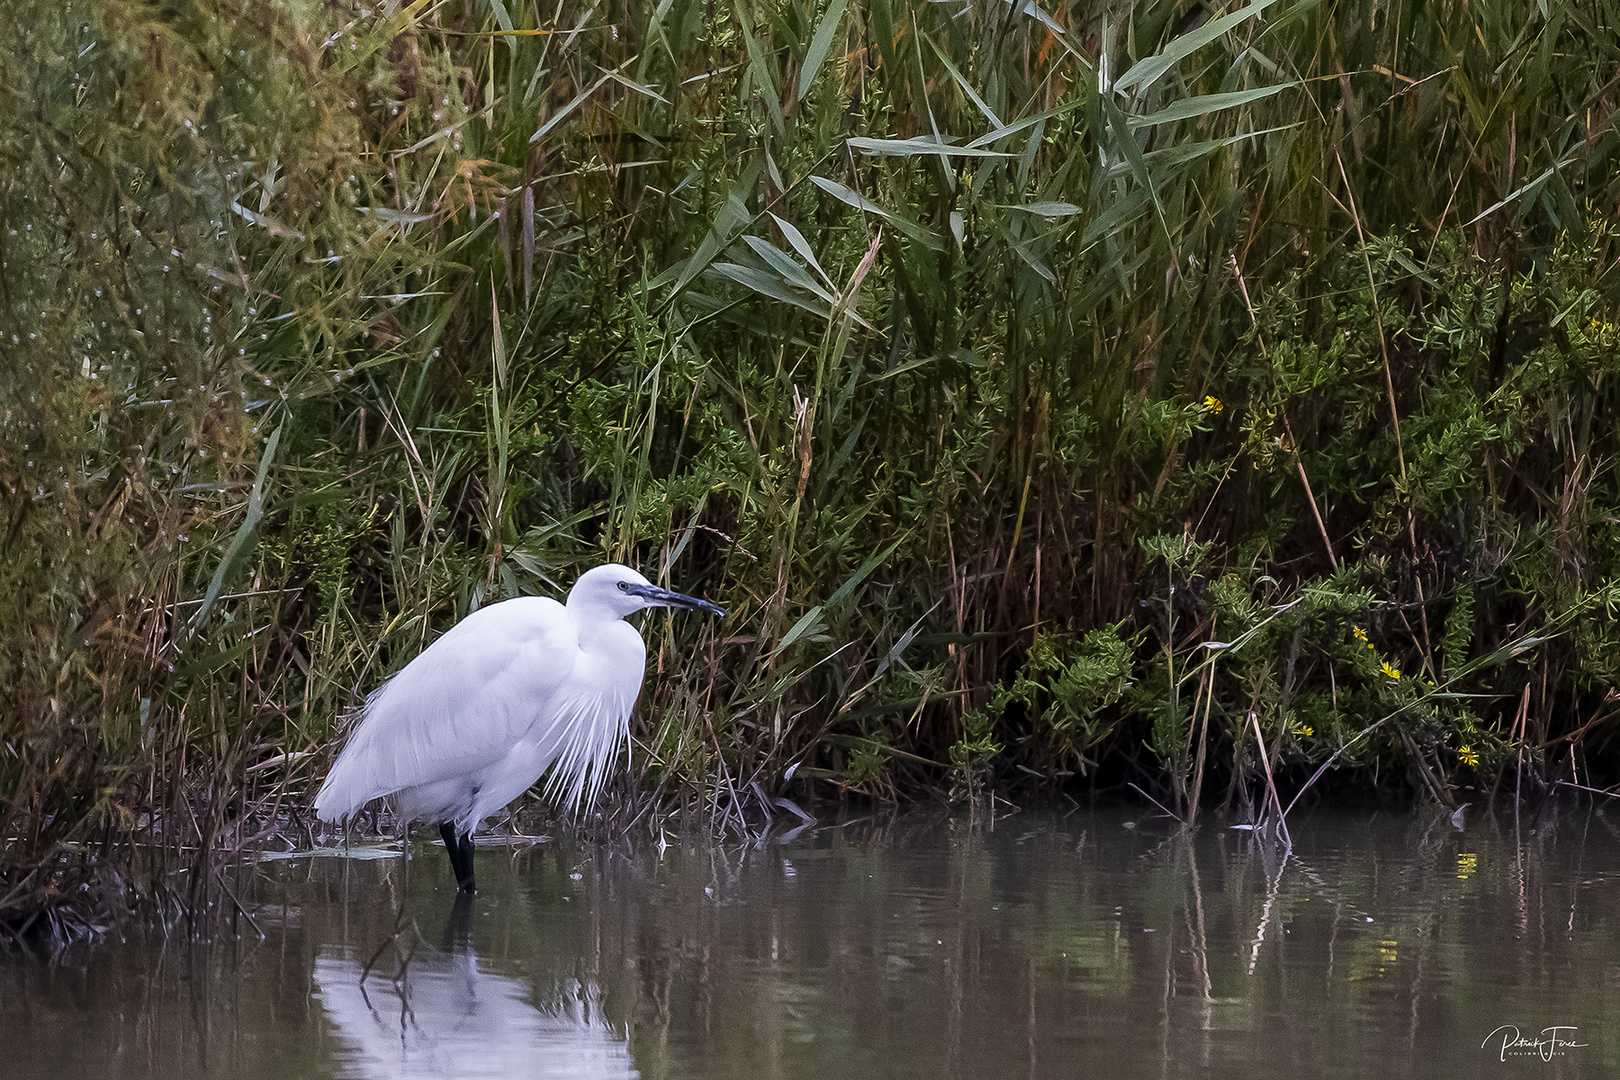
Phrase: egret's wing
x=458 y=707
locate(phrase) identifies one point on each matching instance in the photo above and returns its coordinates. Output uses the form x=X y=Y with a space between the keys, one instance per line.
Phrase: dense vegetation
x=1059 y=397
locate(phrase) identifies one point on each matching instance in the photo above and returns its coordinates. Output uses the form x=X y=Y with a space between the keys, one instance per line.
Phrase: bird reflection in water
x=444 y=1015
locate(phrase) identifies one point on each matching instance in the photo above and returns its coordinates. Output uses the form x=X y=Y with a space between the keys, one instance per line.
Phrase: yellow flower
x=1390 y=670
x=1359 y=634
x=1212 y=404
x=1467 y=755
x=1302 y=729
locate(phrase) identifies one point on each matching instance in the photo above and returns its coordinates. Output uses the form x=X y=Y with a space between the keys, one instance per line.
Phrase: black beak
x=667 y=598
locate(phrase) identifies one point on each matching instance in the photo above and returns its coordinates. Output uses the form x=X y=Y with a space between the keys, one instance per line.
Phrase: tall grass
x=1106 y=392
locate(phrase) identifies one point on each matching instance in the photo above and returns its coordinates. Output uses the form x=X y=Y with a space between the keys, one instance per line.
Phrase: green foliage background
x=1049 y=392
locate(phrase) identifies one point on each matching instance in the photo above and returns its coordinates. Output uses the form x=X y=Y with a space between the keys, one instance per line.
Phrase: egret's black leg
x=460 y=850
x=467 y=861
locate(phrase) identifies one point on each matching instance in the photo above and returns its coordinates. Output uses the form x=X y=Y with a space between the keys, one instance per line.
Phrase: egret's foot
x=460 y=849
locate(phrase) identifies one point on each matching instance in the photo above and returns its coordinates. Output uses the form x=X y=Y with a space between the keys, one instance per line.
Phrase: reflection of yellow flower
x=1467 y=755
x=1212 y=405
x=1467 y=863
x=1389 y=954
x=1390 y=670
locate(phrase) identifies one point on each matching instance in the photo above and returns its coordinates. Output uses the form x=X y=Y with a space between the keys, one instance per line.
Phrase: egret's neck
x=608 y=636
x=589 y=606
x=614 y=659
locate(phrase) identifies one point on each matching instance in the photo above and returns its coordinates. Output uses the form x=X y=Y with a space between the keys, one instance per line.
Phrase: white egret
x=510 y=691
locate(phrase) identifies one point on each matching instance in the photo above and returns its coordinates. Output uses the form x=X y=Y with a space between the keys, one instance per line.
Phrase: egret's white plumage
x=513 y=690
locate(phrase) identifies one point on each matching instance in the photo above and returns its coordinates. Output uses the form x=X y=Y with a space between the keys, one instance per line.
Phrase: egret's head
x=619 y=591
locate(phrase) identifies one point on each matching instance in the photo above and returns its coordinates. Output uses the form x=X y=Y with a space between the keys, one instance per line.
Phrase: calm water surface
x=920 y=945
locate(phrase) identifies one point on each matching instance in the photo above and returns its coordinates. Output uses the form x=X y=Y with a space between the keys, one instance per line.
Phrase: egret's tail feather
x=348 y=787
x=353 y=781
x=335 y=801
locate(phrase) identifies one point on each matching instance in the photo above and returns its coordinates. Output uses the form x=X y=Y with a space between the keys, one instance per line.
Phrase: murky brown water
x=1093 y=944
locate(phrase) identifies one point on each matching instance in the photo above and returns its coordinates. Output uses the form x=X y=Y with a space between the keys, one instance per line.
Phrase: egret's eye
x=624 y=586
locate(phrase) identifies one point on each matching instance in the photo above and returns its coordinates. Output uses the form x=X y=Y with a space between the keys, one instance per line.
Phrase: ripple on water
x=918 y=945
